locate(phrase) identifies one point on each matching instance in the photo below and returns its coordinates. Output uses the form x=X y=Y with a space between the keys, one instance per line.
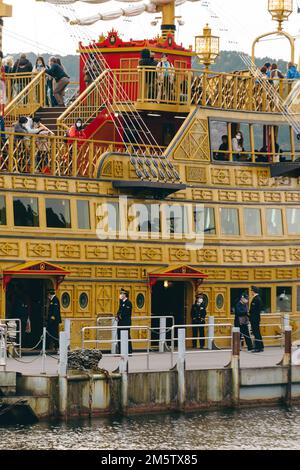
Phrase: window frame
x=238 y=209
x=39 y=207
x=76 y=213
x=70 y=209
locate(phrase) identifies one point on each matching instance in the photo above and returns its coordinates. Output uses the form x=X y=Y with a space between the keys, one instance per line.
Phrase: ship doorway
x=27 y=298
x=168 y=299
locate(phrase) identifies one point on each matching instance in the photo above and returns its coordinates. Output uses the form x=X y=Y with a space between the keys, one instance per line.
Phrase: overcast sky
x=39 y=27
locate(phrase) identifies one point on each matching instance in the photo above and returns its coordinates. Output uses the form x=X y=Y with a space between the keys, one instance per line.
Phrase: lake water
x=247 y=429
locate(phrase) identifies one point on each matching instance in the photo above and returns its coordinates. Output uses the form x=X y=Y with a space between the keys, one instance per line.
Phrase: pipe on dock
x=235 y=367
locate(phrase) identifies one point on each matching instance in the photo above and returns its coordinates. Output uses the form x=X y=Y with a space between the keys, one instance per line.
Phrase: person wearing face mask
x=165 y=79
x=77 y=132
x=198 y=314
x=237 y=145
x=242 y=319
x=124 y=318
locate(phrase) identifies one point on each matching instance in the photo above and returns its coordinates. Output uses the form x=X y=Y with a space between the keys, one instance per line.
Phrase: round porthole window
x=220 y=301
x=83 y=300
x=65 y=300
x=140 y=300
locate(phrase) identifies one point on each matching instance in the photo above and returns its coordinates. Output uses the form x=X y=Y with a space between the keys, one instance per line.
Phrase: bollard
x=114 y=336
x=181 y=367
x=286 y=320
x=287 y=362
x=235 y=366
x=124 y=368
x=211 y=332
x=67 y=330
x=162 y=334
x=3 y=352
x=62 y=373
x=44 y=351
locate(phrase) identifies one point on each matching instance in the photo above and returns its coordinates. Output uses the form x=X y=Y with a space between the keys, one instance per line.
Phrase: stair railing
x=15 y=82
x=28 y=100
x=87 y=105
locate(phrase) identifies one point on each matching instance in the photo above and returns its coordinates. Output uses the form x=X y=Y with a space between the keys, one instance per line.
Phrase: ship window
x=258 y=131
x=219 y=139
x=265 y=293
x=252 y=222
x=83 y=300
x=65 y=300
x=26 y=212
x=284 y=299
x=274 y=222
x=229 y=221
x=245 y=130
x=283 y=142
x=148 y=217
x=58 y=213
x=293 y=221
x=176 y=219
x=83 y=214
x=2 y=211
x=209 y=225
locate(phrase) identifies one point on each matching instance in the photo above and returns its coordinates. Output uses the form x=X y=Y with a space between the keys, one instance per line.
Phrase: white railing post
x=63 y=353
x=114 y=336
x=286 y=320
x=162 y=334
x=67 y=330
x=211 y=332
x=124 y=367
x=43 y=371
x=181 y=367
x=3 y=352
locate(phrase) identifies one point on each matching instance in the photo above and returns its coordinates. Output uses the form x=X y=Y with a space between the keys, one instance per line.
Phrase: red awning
x=177 y=272
x=35 y=269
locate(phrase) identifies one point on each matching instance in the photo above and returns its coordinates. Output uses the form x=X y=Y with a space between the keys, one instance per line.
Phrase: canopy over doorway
x=35 y=269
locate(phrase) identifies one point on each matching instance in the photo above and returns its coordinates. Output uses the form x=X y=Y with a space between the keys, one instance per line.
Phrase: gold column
x=5 y=12
x=168 y=19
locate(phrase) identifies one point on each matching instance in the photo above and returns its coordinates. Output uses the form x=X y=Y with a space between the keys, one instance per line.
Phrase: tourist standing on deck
x=61 y=80
x=198 y=314
x=124 y=318
x=53 y=321
x=255 y=311
x=242 y=319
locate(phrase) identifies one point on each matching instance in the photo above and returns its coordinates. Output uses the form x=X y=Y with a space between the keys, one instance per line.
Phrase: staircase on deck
x=49 y=116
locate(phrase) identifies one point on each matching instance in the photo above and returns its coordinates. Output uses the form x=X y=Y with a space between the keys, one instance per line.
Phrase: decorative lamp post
x=280 y=10
x=207 y=47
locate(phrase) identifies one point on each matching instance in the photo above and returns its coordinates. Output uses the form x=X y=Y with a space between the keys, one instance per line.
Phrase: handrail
x=77 y=108
x=28 y=101
x=15 y=82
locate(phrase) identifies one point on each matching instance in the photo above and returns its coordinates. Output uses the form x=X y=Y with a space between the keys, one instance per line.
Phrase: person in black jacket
x=60 y=82
x=198 y=314
x=124 y=318
x=242 y=319
x=53 y=321
x=255 y=311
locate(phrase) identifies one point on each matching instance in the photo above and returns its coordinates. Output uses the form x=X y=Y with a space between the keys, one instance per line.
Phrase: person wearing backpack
x=276 y=75
x=292 y=73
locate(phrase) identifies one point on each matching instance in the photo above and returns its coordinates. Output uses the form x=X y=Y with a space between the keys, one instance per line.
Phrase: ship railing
x=253 y=156
x=16 y=82
x=58 y=155
x=232 y=91
x=71 y=93
x=13 y=334
x=28 y=100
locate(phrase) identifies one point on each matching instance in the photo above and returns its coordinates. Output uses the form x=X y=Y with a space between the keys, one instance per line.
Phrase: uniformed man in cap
x=198 y=314
x=53 y=321
x=256 y=307
x=124 y=318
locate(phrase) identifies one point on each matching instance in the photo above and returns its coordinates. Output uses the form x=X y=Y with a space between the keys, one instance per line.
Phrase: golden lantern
x=207 y=47
x=280 y=10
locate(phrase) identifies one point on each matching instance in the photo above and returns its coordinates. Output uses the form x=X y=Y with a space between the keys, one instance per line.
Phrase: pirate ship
x=69 y=216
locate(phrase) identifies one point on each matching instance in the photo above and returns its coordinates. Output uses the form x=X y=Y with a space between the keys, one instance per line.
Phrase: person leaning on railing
x=61 y=80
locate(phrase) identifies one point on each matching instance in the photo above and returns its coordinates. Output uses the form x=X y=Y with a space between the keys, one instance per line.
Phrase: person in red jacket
x=77 y=134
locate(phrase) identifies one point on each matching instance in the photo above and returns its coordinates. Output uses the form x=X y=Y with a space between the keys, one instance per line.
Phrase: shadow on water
x=263 y=428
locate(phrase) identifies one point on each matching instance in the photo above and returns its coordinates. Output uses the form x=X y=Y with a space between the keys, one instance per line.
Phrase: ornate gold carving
x=203 y=194
x=195 y=143
x=292 y=197
x=220 y=176
x=104 y=299
x=124 y=252
x=250 y=196
x=284 y=273
x=68 y=251
x=283 y=181
x=179 y=254
x=2 y=182
x=56 y=185
x=263 y=178
x=151 y=254
x=232 y=256
x=118 y=169
x=107 y=169
x=96 y=252
x=104 y=271
x=255 y=256
x=80 y=271
x=87 y=187
x=9 y=249
x=228 y=196
x=243 y=177
x=272 y=197
x=20 y=182
x=262 y=274
x=217 y=274
x=239 y=275
x=277 y=255
x=295 y=254
x=128 y=273
x=39 y=250
x=196 y=174
x=207 y=256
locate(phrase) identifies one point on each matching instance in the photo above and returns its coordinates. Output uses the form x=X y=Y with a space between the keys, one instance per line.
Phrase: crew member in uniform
x=242 y=319
x=53 y=321
x=124 y=318
x=255 y=311
x=198 y=314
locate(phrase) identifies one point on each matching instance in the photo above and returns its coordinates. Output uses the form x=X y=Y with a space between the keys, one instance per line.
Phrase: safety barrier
x=3 y=346
x=14 y=334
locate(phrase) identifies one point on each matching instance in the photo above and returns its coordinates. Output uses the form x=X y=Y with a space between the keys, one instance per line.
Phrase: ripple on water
x=245 y=429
